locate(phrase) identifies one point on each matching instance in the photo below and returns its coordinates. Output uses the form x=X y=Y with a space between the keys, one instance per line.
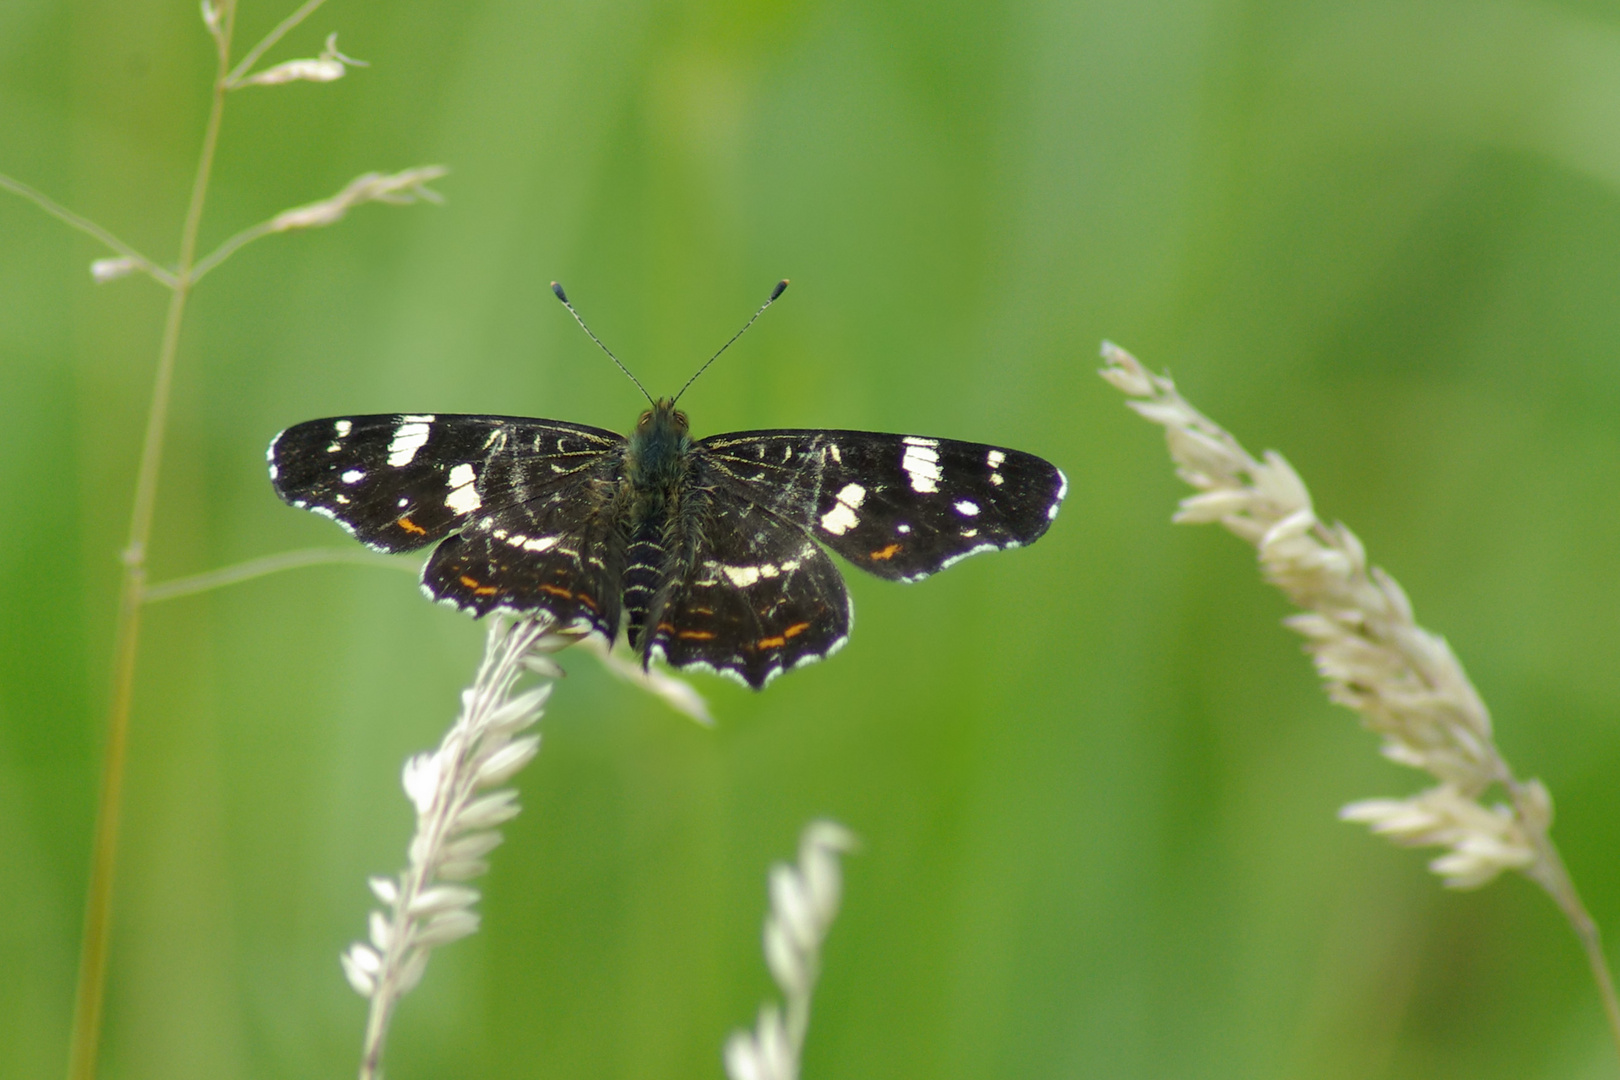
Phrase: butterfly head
x=662 y=422
x=659 y=444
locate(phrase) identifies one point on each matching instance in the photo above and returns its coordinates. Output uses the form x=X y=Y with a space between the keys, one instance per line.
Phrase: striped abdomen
x=643 y=572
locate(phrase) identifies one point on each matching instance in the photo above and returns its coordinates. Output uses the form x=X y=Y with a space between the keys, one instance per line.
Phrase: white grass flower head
x=330 y=65
x=427 y=905
x=1403 y=680
x=804 y=902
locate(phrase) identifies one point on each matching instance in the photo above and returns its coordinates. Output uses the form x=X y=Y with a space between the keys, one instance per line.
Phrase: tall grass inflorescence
x=1403 y=680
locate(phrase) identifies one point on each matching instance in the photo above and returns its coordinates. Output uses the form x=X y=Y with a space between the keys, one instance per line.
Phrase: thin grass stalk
x=90 y=995
x=88 y=227
x=266 y=565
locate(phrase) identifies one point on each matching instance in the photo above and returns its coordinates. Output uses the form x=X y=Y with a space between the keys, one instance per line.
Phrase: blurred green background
x=1095 y=779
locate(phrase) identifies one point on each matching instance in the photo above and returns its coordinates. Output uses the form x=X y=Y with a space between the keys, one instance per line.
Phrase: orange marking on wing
x=557 y=590
x=771 y=643
x=696 y=635
x=471 y=583
x=410 y=526
x=666 y=626
x=886 y=553
x=587 y=601
x=796 y=629
x=487 y=590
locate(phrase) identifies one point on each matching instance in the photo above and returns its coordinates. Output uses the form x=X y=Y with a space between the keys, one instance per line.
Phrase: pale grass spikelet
x=327 y=67
x=105 y=270
x=456 y=816
x=400 y=189
x=804 y=901
x=1403 y=680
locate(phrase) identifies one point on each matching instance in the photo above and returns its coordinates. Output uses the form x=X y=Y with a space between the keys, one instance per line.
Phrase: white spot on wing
x=742 y=576
x=921 y=463
x=409 y=437
x=353 y=476
x=967 y=508
x=540 y=543
x=832 y=448
x=463 y=499
x=342 y=428
x=840 y=519
x=913 y=440
x=902 y=528
x=994 y=459
x=995 y=478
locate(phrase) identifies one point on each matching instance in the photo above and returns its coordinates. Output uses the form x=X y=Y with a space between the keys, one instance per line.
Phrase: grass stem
x=272 y=564
x=90 y=994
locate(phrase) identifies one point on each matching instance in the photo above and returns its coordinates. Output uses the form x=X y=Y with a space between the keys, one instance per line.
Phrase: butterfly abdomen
x=657 y=460
x=643 y=572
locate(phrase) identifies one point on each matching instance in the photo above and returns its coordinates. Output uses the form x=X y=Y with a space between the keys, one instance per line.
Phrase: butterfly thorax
x=656 y=462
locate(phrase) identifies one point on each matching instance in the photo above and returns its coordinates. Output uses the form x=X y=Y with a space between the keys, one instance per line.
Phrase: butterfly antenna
x=781 y=287
x=558 y=289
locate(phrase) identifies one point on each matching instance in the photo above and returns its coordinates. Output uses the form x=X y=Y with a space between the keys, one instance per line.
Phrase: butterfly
x=708 y=552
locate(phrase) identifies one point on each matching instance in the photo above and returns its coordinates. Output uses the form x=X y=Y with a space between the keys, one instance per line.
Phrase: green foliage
x=1094 y=780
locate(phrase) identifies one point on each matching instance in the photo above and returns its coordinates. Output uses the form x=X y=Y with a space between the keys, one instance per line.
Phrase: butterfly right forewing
x=898 y=506
x=534 y=501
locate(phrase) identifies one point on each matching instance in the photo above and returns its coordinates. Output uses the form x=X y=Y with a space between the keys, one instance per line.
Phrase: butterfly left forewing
x=898 y=506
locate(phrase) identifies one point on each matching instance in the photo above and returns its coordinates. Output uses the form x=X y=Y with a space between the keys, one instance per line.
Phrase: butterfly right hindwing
x=760 y=598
